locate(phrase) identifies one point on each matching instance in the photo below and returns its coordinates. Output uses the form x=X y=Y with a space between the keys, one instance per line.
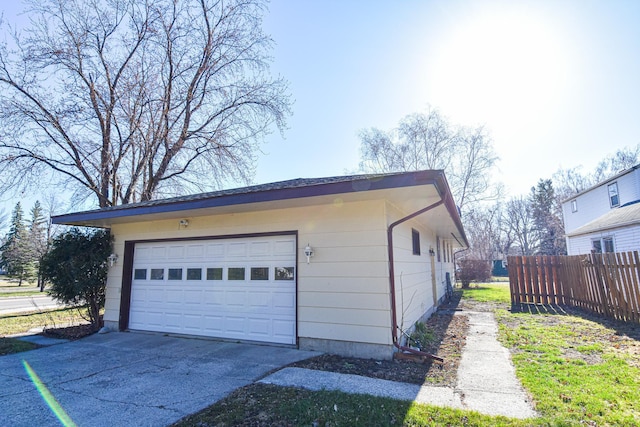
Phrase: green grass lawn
x=25 y=293
x=11 y=324
x=270 y=405
x=12 y=345
x=488 y=292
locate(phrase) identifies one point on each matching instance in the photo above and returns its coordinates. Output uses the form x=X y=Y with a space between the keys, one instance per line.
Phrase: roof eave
x=366 y=183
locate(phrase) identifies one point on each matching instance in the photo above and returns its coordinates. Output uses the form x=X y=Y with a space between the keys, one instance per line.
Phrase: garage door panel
x=235 y=298
x=283 y=328
x=237 y=250
x=195 y=251
x=173 y=319
x=204 y=301
x=284 y=248
x=214 y=298
x=260 y=249
x=283 y=301
x=193 y=297
x=158 y=252
x=215 y=251
x=259 y=327
x=259 y=300
x=176 y=252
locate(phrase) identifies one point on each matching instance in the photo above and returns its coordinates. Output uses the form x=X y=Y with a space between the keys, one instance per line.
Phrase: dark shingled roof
x=281 y=185
x=283 y=190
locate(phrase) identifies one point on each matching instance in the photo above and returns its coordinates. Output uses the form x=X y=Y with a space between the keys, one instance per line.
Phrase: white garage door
x=242 y=288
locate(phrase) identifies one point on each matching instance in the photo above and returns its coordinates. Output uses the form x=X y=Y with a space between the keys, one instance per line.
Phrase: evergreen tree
x=547 y=219
x=17 y=256
x=76 y=267
x=38 y=239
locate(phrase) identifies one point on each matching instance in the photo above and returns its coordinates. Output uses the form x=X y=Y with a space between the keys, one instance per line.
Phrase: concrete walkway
x=486 y=378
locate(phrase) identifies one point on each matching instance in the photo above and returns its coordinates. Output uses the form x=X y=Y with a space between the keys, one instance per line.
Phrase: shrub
x=473 y=270
x=76 y=266
x=421 y=337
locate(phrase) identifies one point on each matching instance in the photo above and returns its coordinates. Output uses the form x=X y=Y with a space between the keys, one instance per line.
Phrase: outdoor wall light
x=184 y=223
x=308 y=252
x=112 y=259
x=432 y=252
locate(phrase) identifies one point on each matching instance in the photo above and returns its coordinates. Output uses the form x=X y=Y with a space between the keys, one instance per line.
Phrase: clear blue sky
x=556 y=82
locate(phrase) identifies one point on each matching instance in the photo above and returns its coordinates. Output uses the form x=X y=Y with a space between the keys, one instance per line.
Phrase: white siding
x=595 y=203
x=413 y=275
x=342 y=292
x=624 y=240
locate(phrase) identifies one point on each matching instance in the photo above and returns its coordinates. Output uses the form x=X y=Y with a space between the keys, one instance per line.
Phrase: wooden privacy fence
x=607 y=284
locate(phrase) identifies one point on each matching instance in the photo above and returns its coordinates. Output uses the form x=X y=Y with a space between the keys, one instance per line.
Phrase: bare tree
x=519 y=225
x=125 y=100
x=471 y=168
x=482 y=225
x=568 y=182
x=622 y=159
x=429 y=141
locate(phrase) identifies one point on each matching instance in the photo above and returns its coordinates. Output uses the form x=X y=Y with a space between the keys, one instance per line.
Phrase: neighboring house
x=233 y=264
x=605 y=217
x=499 y=268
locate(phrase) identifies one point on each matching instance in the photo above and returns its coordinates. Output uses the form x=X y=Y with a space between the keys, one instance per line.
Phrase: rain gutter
x=392 y=282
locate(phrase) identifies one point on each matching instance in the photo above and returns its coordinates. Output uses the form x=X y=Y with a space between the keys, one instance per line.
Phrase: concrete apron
x=486 y=378
x=129 y=379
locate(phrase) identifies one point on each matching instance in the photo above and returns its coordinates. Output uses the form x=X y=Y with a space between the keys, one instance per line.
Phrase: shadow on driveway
x=131 y=378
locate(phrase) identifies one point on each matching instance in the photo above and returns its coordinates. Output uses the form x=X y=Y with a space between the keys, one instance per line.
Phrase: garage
x=234 y=288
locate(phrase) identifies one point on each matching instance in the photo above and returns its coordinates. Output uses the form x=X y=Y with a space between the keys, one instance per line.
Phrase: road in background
x=10 y=305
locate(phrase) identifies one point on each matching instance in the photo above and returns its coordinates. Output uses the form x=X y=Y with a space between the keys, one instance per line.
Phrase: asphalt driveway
x=130 y=378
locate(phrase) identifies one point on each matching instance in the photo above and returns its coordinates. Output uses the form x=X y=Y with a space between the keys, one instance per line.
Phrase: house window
x=607 y=244
x=438 y=247
x=574 y=206
x=614 y=198
x=602 y=245
x=415 y=238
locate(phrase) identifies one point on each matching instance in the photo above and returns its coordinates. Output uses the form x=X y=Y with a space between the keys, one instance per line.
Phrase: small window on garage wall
x=284 y=273
x=194 y=274
x=175 y=274
x=259 y=273
x=235 y=273
x=214 y=273
x=157 y=274
x=140 y=274
x=574 y=206
x=415 y=238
